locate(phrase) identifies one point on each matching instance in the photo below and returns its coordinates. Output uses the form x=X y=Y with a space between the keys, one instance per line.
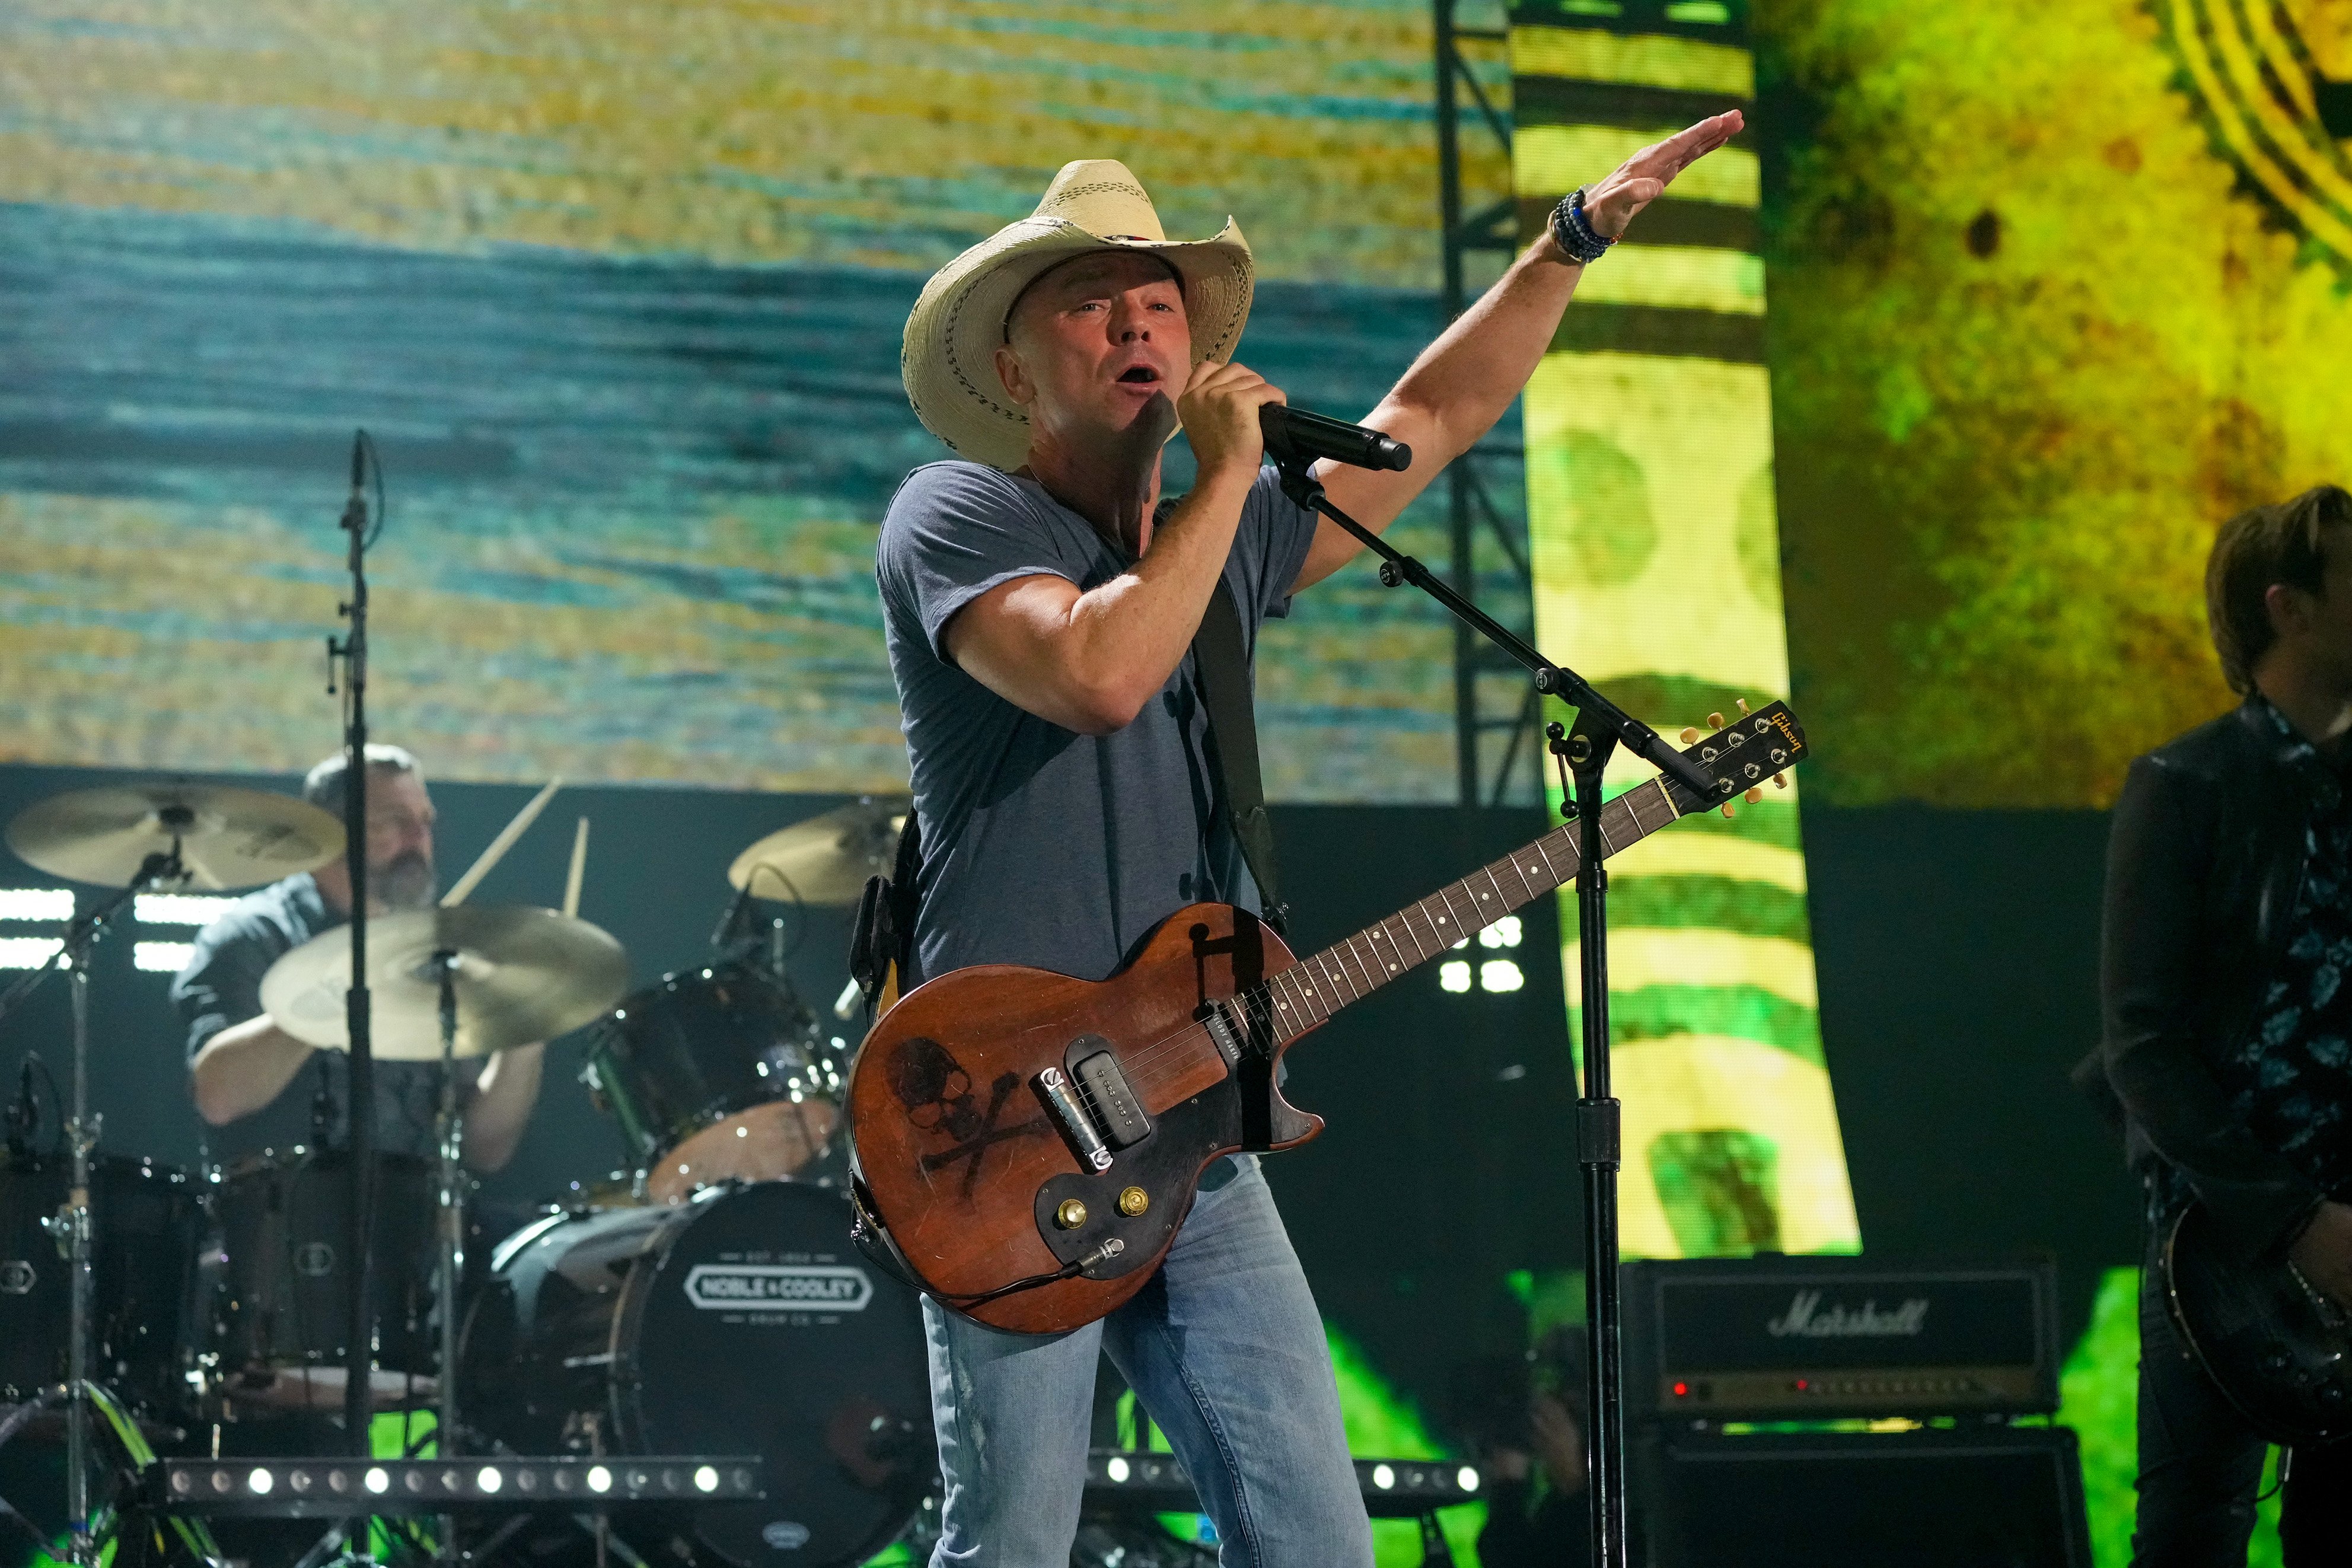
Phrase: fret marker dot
x=1391 y=969
x=1285 y=1007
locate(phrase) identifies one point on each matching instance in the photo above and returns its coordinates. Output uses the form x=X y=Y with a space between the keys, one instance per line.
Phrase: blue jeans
x=1226 y=1351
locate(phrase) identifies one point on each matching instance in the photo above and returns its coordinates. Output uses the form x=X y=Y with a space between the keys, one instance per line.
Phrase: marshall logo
x=778 y=1287
x=1805 y=1319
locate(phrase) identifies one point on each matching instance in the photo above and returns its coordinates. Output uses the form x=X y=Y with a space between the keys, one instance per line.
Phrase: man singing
x=246 y=1072
x=1040 y=603
x=2227 y=945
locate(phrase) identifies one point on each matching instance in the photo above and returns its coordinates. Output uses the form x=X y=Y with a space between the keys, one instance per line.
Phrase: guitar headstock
x=1742 y=756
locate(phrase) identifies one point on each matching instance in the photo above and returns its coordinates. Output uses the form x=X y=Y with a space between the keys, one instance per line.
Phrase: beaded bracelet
x=1573 y=232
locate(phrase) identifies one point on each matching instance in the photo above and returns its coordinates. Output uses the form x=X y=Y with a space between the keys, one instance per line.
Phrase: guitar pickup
x=1117 y=1111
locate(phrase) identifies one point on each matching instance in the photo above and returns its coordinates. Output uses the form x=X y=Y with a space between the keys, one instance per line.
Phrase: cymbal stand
x=71 y=1227
x=449 y=1131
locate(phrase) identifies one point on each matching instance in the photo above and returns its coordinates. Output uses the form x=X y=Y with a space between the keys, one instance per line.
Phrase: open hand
x=1639 y=181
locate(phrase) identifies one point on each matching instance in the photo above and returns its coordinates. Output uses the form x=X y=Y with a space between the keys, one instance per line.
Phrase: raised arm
x=1465 y=381
x=1090 y=661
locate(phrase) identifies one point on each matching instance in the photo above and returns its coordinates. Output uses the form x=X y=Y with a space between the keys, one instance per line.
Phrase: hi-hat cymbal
x=229 y=837
x=523 y=976
x=827 y=859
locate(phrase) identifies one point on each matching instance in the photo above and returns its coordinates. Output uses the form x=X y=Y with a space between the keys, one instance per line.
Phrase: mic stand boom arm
x=1300 y=485
x=1601 y=727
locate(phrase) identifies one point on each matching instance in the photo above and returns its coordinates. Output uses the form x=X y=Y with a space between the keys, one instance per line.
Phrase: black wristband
x=1573 y=232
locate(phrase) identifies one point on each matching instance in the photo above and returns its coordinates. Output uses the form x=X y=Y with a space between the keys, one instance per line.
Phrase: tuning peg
x=1714 y=720
x=1743 y=703
x=1755 y=796
x=1779 y=781
x=1730 y=809
x=1689 y=734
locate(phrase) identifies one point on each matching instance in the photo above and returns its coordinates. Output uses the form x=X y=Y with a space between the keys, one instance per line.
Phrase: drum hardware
x=90 y=833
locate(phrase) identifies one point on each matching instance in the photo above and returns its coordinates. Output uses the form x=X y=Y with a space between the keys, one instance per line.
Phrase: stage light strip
x=50 y=906
x=1656 y=553
x=180 y=908
x=161 y=957
x=27 y=951
x=317 y=1488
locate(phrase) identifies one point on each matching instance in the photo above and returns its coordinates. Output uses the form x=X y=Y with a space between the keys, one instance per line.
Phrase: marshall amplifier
x=1981 y=1497
x=1777 y=1338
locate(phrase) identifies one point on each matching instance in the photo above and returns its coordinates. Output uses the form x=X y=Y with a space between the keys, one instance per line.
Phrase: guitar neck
x=1319 y=986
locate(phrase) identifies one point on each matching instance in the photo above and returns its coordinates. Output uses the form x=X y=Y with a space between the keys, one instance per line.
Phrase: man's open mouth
x=1139 y=376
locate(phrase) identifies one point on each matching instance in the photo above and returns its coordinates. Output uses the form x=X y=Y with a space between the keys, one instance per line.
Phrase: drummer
x=247 y=1073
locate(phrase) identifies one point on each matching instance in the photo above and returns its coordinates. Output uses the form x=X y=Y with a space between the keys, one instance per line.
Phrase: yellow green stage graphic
x=1656 y=556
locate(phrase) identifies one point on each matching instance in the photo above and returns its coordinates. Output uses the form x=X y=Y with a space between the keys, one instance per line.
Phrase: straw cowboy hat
x=949 y=361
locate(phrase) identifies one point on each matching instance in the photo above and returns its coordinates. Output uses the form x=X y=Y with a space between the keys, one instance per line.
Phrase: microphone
x=730 y=927
x=359 y=465
x=1296 y=437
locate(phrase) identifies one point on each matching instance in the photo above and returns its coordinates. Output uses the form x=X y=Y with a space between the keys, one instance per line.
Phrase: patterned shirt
x=2291 y=1077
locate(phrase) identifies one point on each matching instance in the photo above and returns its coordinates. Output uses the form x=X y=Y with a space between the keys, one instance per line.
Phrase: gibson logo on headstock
x=1805 y=1319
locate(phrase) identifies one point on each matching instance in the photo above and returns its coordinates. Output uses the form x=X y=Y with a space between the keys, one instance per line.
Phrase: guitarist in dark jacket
x=2227 y=989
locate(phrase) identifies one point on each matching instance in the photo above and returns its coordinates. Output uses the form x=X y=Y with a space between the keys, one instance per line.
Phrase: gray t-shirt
x=222 y=985
x=1043 y=846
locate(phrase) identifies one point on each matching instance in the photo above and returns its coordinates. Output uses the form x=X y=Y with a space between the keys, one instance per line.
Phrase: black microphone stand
x=1601 y=727
x=359 y=1108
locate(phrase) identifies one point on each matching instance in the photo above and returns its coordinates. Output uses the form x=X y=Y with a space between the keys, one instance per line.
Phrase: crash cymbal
x=229 y=837
x=523 y=976
x=827 y=859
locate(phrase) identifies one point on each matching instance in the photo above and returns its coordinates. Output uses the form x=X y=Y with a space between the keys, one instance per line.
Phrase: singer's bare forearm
x=1462 y=383
x=1088 y=661
x=1455 y=391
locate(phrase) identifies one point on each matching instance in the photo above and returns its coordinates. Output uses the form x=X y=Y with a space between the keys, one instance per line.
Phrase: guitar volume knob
x=1133 y=1201
x=1071 y=1215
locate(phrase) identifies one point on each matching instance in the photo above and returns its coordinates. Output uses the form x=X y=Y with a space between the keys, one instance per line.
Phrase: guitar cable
x=870 y=1234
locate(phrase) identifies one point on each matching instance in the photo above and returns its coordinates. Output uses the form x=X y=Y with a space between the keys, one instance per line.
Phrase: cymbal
x=827 y=859
x=229 y=837
x=523 y=976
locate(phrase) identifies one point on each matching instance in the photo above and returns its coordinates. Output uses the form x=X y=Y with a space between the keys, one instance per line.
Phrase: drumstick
x=579 y=865
x=500 y=846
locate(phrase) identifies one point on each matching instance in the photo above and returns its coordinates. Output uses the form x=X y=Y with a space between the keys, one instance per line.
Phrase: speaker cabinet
x=1991 y=1497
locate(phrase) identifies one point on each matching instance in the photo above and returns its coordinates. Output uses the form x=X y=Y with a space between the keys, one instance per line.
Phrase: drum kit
x=708 y=1300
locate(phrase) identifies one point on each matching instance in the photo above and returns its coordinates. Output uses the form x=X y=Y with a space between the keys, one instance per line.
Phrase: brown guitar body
x=963 y=1163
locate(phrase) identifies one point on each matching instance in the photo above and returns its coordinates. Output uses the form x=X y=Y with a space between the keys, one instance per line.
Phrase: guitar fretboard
x=1319 y=986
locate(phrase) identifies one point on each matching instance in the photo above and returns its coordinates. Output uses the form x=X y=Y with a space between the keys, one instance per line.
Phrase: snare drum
x=716 y=1075
x=285 y=1219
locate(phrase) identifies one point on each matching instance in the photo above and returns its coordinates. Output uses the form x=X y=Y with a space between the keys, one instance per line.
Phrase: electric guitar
x=2279 y=1349
x=1025 y=1145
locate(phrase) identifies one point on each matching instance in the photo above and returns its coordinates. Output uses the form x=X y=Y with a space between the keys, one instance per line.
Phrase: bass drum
x=743 y=1321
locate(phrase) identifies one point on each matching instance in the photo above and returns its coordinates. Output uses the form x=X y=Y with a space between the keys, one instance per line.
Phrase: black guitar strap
x=1223 y=663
